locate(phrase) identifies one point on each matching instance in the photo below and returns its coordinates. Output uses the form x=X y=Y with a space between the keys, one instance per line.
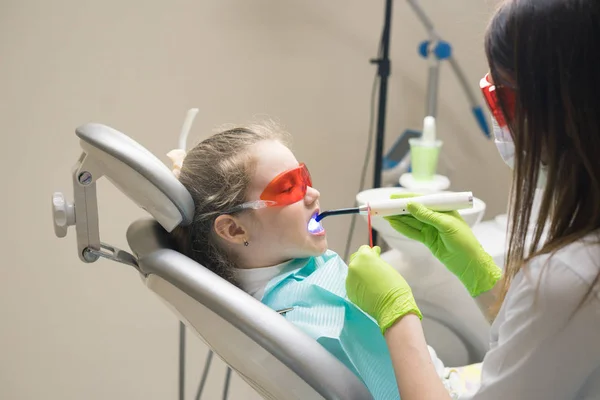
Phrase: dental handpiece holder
x=441 y=202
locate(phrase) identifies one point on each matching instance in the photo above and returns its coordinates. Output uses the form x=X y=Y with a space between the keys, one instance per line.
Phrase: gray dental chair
x=274 y=357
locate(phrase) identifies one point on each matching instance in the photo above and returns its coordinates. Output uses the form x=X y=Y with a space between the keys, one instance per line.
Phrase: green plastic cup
x=424 y=158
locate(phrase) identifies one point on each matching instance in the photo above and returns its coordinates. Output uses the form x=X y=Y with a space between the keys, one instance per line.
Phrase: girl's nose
x=311 y=196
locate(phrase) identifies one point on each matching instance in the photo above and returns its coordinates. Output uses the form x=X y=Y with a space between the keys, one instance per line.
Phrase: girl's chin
x=321 y=245
x=316 y=248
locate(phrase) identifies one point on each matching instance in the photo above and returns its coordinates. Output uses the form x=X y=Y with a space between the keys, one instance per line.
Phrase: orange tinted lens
x=491 y=93
x=288 y=187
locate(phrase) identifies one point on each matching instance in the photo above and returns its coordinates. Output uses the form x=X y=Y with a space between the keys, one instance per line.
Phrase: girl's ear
x=231 y=229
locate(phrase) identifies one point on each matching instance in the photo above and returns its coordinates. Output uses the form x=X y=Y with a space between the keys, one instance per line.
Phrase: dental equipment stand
x=273 y=356
x=383 y=70
x=435 y=50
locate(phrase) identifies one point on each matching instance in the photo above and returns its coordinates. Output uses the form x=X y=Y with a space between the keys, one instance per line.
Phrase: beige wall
x=75 y=331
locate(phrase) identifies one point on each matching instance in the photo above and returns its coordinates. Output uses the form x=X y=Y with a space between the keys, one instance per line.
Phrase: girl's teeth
x=314 y=227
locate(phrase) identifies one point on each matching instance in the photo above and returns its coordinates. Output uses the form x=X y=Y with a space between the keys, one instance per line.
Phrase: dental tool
x=384 y=208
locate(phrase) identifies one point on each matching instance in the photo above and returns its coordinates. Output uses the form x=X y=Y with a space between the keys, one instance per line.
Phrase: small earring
x=246 y=243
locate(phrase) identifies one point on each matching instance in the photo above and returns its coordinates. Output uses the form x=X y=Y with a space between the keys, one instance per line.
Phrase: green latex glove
x=452 y=242
x=378 y=289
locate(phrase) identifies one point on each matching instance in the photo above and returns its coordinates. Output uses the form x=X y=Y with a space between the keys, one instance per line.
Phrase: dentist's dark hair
x=548 y=51
x=217 y=173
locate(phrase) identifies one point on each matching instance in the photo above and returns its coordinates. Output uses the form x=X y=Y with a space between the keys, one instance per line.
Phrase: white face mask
x=504 y=143
x=506 y=148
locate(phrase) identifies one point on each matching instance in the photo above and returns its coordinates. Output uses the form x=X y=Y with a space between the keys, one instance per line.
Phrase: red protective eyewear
x=285 y=189
x=288 y=187
x=492 y=94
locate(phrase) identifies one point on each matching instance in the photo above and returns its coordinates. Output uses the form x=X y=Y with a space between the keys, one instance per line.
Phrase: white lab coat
x=540 y=347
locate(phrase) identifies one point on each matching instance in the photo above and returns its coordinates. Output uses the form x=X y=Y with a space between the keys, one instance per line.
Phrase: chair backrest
x=274 y=357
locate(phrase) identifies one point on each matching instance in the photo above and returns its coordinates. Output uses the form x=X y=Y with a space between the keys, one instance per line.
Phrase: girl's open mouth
x=314 y=227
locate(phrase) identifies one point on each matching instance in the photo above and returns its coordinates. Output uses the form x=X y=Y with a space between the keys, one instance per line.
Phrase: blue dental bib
x=314 y=289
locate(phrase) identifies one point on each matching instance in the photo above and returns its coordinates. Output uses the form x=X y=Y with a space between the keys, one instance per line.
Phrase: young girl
x=254 y=202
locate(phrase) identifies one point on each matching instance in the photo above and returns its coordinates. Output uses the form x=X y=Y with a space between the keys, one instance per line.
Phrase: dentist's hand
x=452 y=242
x=378 y=289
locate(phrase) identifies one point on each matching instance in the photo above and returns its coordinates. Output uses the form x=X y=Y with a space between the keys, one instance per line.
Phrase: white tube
x=436 y=202
x=187 y=126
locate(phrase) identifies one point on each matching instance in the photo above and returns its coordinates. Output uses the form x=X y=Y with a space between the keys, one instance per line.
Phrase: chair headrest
x=138 y=174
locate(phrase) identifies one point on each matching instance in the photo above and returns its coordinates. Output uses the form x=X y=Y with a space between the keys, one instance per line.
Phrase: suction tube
x=436 y=202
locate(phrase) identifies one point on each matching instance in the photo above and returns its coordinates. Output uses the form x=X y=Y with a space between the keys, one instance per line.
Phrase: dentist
x=543 y=91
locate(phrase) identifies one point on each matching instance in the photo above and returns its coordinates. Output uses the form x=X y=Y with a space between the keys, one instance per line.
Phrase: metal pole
x=433 y=84
x=204 y=374
x=227 y=381
x=181 y=361
x=383 y=72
